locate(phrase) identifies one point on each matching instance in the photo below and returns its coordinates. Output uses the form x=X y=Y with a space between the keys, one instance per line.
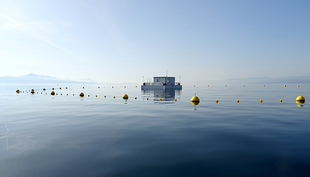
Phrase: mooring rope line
x=126 y=97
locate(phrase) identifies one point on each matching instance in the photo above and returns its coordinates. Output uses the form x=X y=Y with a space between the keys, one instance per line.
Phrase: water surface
x=44 y=135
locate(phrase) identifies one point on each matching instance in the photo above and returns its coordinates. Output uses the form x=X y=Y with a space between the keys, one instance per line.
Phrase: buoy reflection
x=300 y=103
x=195 y=103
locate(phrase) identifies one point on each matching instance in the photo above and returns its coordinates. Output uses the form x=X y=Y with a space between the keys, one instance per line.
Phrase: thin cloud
x=37 y=30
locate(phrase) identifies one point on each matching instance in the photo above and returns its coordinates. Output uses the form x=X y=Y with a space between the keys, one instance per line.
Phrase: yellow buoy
x=105 y=96
x=195 y=99
x=225 y=85
x=243 y=85
x=237 y=101
x=207 y=85
x=160 y=99
x=216 y=101
x=125 y=96
x=284 y=85
x=263 y=85
x=17 y=91
x=32 y=91
x=297 y=85
x=88 y=95
x=72 y=94
x=135 y=98
x=67 y=94
x=281 y=100
x=52 y=93
x=147 y=98
x=175 y=100
x=261 y=100
x=300 y=99
x=114 y=97
x=96 y=95
x=66 y=87
x=81 y=94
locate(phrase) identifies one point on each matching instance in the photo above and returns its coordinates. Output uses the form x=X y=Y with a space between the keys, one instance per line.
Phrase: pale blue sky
x=124 y=40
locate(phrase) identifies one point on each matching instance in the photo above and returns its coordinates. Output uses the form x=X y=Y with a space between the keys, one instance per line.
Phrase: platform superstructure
x=162 y=83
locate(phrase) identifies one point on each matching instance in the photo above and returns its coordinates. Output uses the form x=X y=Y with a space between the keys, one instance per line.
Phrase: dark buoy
x=52 y=93
x=32 y=91
x=17 y=91
x=81 y=94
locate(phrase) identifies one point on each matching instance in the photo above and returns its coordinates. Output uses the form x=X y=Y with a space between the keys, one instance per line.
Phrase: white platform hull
x=150 y=87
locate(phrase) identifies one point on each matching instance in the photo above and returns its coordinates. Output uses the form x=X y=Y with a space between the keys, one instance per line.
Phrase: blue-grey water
x=45 y=135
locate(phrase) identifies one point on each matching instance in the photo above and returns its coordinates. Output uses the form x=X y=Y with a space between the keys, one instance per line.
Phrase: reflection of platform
x=164 y=94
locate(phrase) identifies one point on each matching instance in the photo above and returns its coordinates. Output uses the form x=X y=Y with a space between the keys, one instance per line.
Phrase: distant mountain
x=38 y=79
x=35 y=76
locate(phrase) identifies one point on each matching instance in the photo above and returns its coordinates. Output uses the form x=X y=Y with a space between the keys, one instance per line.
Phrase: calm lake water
x=44 y=135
